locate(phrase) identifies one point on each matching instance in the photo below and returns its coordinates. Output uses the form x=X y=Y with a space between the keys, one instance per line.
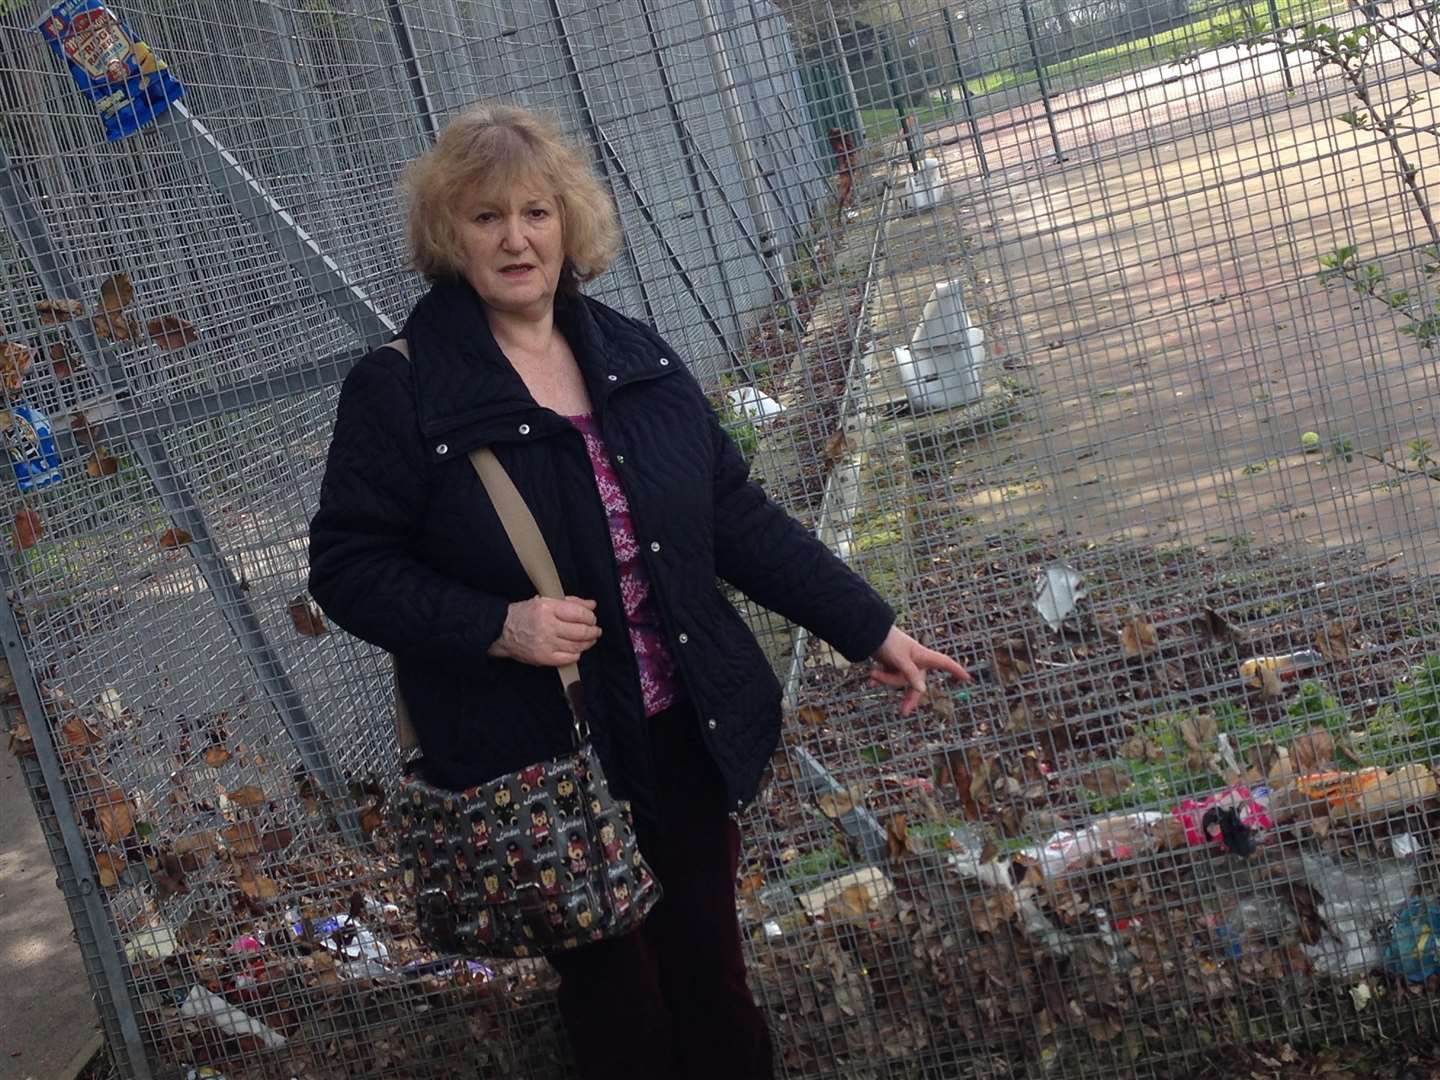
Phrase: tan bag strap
x=534 y=554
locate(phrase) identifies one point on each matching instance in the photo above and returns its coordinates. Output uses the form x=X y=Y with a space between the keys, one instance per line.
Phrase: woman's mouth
x=516 y=269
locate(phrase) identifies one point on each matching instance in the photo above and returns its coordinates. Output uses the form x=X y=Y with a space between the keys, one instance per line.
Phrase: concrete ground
x=1154 y=301
x=48 y=1026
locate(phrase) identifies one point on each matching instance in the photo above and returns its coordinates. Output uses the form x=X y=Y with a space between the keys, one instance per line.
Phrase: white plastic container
x=942 y=367
x=925 y=188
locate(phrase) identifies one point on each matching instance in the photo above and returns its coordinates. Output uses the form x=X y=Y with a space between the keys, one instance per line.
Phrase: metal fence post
x=965 y=95
x=1032 y=38
x=253 y=203
x=592 y=131
x=730 y=105
x=414 y=75
x=180 y=504
x=687 y=146
x=851 y=97
x=897 y=95
x=1280 y=46
x=88 y=900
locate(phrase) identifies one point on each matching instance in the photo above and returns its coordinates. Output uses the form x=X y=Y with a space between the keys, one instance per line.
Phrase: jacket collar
x=468 y=395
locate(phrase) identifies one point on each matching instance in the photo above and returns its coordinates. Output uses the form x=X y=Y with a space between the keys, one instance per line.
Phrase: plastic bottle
x=1290 y=664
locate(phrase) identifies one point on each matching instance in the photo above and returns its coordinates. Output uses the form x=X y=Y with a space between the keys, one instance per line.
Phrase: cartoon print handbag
x=534 y=862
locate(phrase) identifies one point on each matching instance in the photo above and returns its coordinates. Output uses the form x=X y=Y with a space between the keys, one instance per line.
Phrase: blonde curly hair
x=493 y=148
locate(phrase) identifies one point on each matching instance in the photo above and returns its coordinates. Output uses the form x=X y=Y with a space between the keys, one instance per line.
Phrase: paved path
x=47 y=1019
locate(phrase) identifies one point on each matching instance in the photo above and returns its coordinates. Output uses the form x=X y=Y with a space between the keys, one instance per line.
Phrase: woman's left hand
x=902 y=662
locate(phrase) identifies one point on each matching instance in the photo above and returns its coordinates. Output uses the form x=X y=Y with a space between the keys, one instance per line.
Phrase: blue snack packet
x=128 y=83
x=31 y=446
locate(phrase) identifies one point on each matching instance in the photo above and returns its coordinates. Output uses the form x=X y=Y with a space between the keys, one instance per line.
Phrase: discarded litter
x=1253 y=671
x=1121 y=836
x=1057 y=590
x=1369 y=792
x=1414 y=948
x=1228 y=820
x=200 y=1003
x=754 y=403
x=1358 y=905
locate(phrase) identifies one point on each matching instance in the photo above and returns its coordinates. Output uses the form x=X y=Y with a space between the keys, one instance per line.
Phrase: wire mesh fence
x=1098 y=336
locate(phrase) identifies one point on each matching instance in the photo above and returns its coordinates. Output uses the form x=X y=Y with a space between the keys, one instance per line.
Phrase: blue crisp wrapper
x=30 y=445
x=128 y=83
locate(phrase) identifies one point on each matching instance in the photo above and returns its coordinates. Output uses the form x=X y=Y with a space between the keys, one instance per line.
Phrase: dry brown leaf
x=1216 y=627
x=199 y=843
x=174 y=538
x=808 y=715
x=114 y=326
x=115 y=818
x=941 y=702
x=1313 y=751
x=1107 y=781
x=854 y=902
x=171 y=332
x=1012 y=659
x=371 y=818
x=1333 y=641
x=22 y=743
x=1138 y=637
x=109 y=865
x=101 y=463
x=242 y=838
x=28 y=528
x=255 y=885
x=281 y=837
x=250 y=795
x=1139 y=748
x=1198 y=730
x=836 y=447
x=77 y=732
x=168 y=875
x=84 y=432
x=836 y=803
x=15 y=361
x=215 y=756
x=57 y=311
x=989 y=851
x=60 y=362
x=897 y=837
x=306 y=616
x=1270 y=683
x=1021 y=718
x=116 y=292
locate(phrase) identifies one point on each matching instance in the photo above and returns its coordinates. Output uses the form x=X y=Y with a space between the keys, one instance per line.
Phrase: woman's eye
x=485 y=216
x=539 y=212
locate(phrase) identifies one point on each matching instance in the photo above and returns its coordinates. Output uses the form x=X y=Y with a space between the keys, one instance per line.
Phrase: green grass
x=1165 y=47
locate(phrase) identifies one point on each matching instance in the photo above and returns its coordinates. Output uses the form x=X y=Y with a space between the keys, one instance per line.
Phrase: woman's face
x=514 y=250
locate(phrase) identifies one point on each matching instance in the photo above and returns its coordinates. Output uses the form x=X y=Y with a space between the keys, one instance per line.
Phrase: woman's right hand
x=546 y=632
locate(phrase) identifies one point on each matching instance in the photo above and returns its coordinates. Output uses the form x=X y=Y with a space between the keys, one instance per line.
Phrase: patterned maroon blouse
x=659 y=681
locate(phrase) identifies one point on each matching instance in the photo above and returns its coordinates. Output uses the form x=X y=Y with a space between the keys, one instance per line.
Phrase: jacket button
x=620 y=459
x=442 y=449
x=613 y=378
x=524 y=429
x=711 y=724
x=739 y=804
x=664 y=361
x=684 y=639
x=655 y=545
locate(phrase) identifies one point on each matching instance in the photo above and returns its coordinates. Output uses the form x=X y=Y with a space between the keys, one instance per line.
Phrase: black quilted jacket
x=407 y=552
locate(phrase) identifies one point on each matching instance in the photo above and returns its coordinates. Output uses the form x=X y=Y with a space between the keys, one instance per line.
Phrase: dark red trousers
x=670 y=1000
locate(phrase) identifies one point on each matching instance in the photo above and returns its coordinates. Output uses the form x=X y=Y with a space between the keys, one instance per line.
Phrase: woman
x=644 y=502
